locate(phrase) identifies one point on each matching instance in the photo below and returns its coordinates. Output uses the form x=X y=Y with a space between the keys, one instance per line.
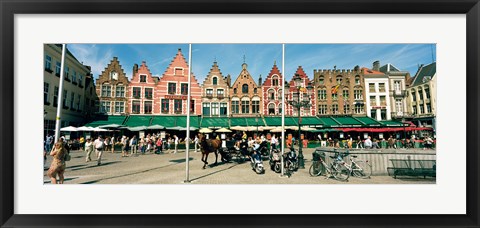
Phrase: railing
x=398 y=93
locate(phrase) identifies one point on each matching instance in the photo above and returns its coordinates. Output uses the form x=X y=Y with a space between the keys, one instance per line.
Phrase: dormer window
x=143 y=78
x=214 y=80
x=178 y=71
x=245 y=88
x=274 y=81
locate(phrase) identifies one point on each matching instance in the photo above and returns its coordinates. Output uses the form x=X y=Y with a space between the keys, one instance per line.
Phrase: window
x=414 y=110
x=106 y=90
x=346 y=108
x=178 y=71
x=148 y=93
x=137 y=91
x=335 y=96
x=235 y=108
x=223 y=109
x=80 y=80
x=192 y=106
x=427 y=92
x=414 y=96
x=396 y=87
x=55 y=96
x=245 y=88
x=147 y=107
x=45 y=93
x=335 y=109
x=234 y=90
x=321 y=80
x=274 y=81
x=177 y=105
x=429 y=108
x=143 y=78
x=119 y=106
x=220 y=93
x=48 y=63
x=255 y=90
x=165 y=105
x=136 y=107
x=79 y=98
x=67 y=70
x=120 y=91
x=373 y=113
x=215 y=109
x=381 y=87
x=383 y=114
x=383 y=101
x=422 y=109
x=279 y=109
x=373 y=101
x=271 y=94
x=64 y=101
x=398 y=105
x=172 y=88
x=345 y=94
x=372 y=87
x=74 y=77
x=72 y=100
x=357 y=80
x=245 y=107
x=214 y=80
x=271 y=109
x=339 y=80
x=322 y=94
x=359 y=109
x=280 y=94
x=420 y=94
x=322 y=109
x=358 y=94
x=184 y=88
x=255 y=107
x=105 y=106
x=209 y=92
x=57 y=68
x=206 y=109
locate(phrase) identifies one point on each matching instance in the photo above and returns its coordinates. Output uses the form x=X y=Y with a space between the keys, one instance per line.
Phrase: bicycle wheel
x=340 y=172
x=316 y=169
x=361 y=169
x=240 y=158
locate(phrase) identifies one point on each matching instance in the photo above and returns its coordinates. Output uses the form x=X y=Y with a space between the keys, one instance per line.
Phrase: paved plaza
x=170 y=169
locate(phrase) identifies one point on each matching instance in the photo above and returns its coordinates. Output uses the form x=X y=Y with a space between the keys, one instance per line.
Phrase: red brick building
x=272 y=93
x=140 y=91
x=291 y=111
x=172 y=89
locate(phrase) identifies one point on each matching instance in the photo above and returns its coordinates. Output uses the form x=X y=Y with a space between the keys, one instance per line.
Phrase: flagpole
x=187 y=141
x=283 y=108
x=60 y=95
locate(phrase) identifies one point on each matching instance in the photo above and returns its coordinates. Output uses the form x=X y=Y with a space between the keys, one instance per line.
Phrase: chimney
x=135 y=69
x=260 y=80
x=229 y=79
x=376 y=65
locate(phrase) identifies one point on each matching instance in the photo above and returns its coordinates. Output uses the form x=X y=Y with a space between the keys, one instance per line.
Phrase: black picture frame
x=470 y=8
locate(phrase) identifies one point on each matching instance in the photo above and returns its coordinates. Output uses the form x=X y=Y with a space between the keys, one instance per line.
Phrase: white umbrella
x=69 y=128
x=224 y=130
x=85 y=128
x=191 y=129
x=277 y=129
x=205 y=130
x=99 y=129
x=238 y=128
x=138 y=128
x=110 y=126
x=155 y=127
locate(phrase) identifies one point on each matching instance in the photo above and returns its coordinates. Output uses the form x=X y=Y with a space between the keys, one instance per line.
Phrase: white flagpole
x=283 y=107
x=187 y=142
x=60 y=95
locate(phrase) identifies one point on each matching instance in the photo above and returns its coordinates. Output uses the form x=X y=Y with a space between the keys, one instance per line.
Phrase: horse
x=207 y=146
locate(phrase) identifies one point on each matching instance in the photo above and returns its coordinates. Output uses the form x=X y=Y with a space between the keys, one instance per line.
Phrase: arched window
x=280 y=94
x=271 y=109
x=321 y=80
x=234 y=90
x=339 y=79
x=214 y=80
x=271 y=94
x=274 y=81
x=357 y=80
x=245 y=88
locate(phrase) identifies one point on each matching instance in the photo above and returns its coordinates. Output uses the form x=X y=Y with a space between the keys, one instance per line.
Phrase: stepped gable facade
x=111 y=88
x=340 y=92
x=215 y=93
x=245 y=95
x=290 y=110
x=272 y=92
x=172 y=89
x=141 y=90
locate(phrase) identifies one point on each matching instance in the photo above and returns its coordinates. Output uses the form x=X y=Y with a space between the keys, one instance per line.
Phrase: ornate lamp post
x=298 y=105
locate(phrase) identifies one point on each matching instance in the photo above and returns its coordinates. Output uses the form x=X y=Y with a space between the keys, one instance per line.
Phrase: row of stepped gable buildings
x=381 y=92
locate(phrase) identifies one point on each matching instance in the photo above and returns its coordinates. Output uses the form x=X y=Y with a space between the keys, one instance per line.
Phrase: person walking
x=48 y=143
x=99 y=144
x=176 y=143
x=159 y=146
x=195 y=141
x=359 y=143
x=273 y=143
x=58 y=164
x=133 y=145
x=124 y=142
x=88 y=149
x=368 y=143
x=112 y=142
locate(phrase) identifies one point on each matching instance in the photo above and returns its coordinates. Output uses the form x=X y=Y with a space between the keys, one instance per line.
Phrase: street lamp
x=299 y=104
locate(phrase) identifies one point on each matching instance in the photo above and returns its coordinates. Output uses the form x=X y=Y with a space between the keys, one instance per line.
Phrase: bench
x=408 y=167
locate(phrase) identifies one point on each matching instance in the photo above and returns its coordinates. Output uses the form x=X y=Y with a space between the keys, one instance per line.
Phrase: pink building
x=172 y=89
x=291 y=111
x=140 y=91
x=272 y=93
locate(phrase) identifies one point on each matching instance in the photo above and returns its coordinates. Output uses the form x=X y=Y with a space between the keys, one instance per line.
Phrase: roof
x=367 y=71
x=388 y=68
x=426 y=71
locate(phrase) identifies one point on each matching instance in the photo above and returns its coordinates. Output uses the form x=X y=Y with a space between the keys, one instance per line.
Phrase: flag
x=335 y=89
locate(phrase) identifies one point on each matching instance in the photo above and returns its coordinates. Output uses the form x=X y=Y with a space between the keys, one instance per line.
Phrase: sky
x=259 y=57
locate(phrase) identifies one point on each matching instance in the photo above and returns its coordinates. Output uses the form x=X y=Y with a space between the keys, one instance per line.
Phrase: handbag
x=67 y=157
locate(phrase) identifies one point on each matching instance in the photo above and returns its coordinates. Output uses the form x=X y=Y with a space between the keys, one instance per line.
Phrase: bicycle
x=337 y=168
x=358 y=168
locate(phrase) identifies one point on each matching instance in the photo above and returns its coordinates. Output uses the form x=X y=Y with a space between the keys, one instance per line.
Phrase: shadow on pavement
x=65 y=180
x=94 y=165
x=180 y=160
x=218 y=171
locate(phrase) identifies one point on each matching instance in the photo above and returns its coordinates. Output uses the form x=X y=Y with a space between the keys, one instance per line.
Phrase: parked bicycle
x=358 y=168
x=336 y=168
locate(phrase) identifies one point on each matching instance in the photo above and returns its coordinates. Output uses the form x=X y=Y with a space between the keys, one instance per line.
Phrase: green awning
x=329 y=122
x=273 y=121
x=135 y=121
x=390 y=123
x=238 y=121
x=368 y=121
x=166 y=121
x=214 y=122
x=348 y=121
x=107 y=120
x=252 y=121
x=311 y=121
